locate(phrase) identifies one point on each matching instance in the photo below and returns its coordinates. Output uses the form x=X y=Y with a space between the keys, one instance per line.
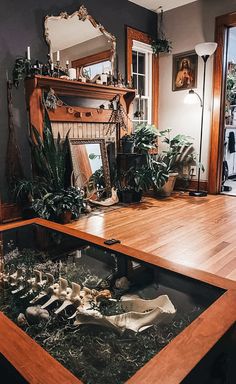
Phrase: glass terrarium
x=101 y=313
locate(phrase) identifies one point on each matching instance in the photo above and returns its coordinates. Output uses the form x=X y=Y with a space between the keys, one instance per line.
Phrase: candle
x=72 y=73
x=28 y=53
x=58 y=55
x=52 y=66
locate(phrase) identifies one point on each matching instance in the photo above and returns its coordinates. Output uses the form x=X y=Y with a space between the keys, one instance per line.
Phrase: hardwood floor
x=197 y=232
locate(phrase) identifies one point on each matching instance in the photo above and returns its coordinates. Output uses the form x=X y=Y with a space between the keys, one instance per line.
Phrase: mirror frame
x=76 y=165
x=83 y=15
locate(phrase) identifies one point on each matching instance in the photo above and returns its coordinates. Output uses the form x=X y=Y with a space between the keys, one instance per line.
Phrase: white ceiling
x=154 y=5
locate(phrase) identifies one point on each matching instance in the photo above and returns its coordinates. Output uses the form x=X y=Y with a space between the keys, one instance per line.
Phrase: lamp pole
x=204 y=50
x=198 y=192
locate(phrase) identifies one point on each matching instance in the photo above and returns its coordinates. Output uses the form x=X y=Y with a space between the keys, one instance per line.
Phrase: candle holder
x=58 y=68
x=28 y=68
x=67 y=69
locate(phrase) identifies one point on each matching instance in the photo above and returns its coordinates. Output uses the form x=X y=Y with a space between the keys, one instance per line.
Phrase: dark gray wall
x=21 y=24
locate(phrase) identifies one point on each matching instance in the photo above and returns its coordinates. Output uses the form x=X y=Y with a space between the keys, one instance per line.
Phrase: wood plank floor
x=197 y=232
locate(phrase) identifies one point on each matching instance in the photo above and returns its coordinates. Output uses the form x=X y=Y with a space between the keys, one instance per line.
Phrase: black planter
x=129 y=196
x=127 y=146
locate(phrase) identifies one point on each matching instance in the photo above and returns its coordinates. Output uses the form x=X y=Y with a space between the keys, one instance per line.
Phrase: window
x=141 y=71
x=143 y=65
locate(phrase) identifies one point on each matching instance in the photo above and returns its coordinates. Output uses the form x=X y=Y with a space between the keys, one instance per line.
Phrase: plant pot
x=129 y=196
x=127 y=146
x=168 y=187
x=66 y=217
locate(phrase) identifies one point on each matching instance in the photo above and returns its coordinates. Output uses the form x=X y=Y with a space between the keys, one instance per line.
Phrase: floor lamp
x=204 y=50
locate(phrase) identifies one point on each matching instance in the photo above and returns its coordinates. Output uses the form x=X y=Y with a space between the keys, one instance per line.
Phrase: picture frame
x=184 y=71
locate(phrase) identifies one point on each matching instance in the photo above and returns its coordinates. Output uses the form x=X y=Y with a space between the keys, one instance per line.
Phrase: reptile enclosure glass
x=93 y=353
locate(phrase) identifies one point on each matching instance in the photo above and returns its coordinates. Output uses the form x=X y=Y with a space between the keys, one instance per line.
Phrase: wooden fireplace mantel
x=36 y=85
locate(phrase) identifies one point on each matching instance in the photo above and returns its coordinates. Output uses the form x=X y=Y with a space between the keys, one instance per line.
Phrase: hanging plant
x=161 y=44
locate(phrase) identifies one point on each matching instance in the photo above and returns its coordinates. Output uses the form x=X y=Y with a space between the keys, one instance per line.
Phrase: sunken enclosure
x=78 y=310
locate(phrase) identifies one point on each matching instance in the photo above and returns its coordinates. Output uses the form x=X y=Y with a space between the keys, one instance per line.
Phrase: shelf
x=86 y=90
x=37 y=84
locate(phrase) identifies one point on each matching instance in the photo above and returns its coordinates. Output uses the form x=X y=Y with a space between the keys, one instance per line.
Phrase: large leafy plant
x=50 y=155
x=53 y=205
x=145 y=137
x=178 y=153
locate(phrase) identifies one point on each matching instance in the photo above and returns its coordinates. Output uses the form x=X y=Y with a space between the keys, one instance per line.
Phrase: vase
x=168 y=187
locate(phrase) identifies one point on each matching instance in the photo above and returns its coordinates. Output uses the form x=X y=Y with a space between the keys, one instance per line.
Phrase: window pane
x=141 y=85
x=144 y=108
x=94 y=69
x=135 y=81
x=141 y=62
x=134 y=61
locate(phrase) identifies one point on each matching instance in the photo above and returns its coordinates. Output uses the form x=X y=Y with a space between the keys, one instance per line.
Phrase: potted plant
x=145 y=138
x=61 y=206
x=132 y=183
x=178 y=154
x=127 y=143
x=161 y=44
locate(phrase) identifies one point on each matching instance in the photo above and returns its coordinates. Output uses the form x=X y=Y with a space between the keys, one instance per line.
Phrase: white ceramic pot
x=168 y=187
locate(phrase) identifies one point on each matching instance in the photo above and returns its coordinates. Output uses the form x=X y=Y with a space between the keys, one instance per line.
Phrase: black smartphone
x=111 y=241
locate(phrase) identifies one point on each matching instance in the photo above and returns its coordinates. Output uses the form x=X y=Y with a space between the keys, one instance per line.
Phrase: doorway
x=223 y=26
x=229 y=141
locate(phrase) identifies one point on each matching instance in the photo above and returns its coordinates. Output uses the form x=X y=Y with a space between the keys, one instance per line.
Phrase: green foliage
x=231 y=87
x=53 y=205
x=161 y=45
x=20 y=70
x=145 y=137
x=179 y=151
x=151 y=174
x=25 y=191
x=50 y=155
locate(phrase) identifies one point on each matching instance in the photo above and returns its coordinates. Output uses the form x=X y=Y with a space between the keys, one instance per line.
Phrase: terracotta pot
x=65 y=217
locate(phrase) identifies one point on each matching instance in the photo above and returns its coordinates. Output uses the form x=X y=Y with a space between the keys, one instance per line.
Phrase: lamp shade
x=192 y=97
x=205 y=49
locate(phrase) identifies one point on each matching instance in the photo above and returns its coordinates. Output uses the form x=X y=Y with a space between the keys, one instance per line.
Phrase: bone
x=72 y=297
x=49 y=282
x=16 y=277
x=59 y=292
x=150 y=312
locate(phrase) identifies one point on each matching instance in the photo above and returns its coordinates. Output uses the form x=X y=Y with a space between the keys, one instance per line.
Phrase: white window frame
x=138 y=46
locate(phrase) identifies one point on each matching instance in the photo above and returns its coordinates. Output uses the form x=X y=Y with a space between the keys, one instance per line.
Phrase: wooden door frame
x=134 y=34
x=222 y=25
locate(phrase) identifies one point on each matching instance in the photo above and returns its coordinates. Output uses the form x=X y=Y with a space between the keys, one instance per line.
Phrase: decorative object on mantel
x=51 y=101
x=161 y=44
x=118 y=116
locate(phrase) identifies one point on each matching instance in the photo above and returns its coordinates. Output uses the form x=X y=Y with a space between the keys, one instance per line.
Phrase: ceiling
x=153 y=5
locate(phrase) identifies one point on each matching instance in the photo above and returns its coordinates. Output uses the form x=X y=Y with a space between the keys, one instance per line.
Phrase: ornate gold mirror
x=90 y=163
x=78 y=41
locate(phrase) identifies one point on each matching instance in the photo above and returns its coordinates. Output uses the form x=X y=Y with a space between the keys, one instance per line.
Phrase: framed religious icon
x=184 y=72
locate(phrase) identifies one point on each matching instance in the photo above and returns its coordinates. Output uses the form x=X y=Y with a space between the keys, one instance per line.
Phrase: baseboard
x=9 y=212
